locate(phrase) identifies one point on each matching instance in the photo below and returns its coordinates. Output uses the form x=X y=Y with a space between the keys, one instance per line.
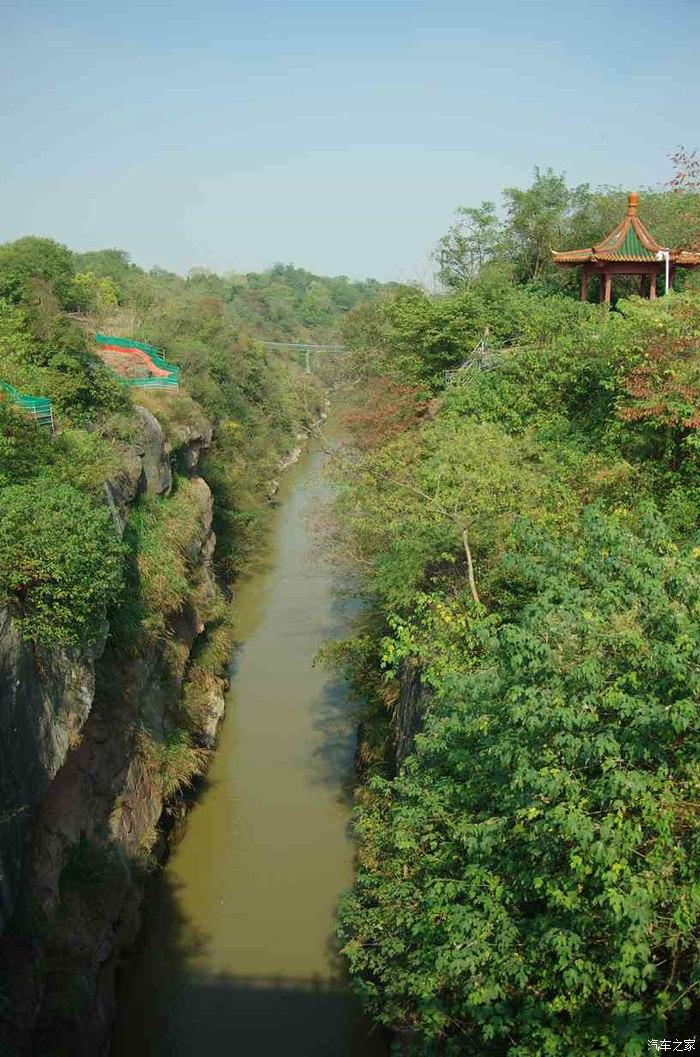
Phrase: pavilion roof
x=628 y=241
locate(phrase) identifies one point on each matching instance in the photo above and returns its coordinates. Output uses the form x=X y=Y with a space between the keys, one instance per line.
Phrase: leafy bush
x=175 y=761
x=531 y=876
x=24 y=446
x=60 y=562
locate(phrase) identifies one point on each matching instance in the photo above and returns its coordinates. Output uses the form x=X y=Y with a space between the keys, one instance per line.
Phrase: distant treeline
x=283 y=302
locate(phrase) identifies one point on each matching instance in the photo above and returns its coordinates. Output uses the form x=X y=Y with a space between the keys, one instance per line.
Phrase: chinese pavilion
x=629 y=249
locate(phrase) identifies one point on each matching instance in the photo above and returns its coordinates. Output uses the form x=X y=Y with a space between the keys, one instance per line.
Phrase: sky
x=340 y=137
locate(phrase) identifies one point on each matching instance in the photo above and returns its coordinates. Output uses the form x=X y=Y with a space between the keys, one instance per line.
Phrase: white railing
x=481 y=358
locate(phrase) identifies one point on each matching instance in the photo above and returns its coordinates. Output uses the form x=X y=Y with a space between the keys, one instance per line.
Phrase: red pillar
x=652 y=286
x=584 y=284
x=606 y=287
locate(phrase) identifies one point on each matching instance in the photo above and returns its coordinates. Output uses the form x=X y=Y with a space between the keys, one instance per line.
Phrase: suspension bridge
x=303 y=347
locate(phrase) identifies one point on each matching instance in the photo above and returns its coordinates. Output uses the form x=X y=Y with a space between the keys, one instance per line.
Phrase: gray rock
x=150 y=448
x=45 y=699
x=409 y=712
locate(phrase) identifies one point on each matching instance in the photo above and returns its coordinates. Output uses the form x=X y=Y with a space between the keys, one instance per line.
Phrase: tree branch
x=451 y=517
x=470 y=566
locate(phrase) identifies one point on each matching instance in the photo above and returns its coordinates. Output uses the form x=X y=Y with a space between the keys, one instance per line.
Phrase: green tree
x=317 y=304
x=537 y=220
x=93 y=294
x=30 y=258
x=60 y=562
x=107 y=264
x=527 y=885
x=476 y=237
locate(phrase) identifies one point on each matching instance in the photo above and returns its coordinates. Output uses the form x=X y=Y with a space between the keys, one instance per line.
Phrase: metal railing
x=481 y=358
x=166 y=375
x=38 y=407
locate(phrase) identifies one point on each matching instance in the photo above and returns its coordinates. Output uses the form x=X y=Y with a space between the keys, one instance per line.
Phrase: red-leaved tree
x=388 y=408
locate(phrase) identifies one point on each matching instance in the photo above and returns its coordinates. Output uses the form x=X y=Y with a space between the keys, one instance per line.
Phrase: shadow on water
x=189 y=1013
x=335 y=716
x=335 y=712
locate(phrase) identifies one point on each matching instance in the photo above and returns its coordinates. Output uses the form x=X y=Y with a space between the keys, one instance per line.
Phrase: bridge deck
x=303 y=346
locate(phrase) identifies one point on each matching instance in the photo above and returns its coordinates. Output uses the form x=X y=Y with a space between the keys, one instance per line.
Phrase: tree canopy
x=60 y=562
x=526 y=536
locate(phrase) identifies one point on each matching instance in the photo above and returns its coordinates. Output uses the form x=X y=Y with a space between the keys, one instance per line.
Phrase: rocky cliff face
x=145 y=467
x=408 y=714
x=82 y=792
x=46 y=698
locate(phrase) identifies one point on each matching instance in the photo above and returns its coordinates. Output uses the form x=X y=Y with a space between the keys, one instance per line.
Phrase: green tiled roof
x=632 y=247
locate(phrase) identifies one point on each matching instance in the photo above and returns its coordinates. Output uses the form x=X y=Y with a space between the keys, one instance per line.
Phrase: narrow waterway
x=236 y=956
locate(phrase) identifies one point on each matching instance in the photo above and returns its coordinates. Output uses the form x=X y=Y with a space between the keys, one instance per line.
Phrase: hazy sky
x=338 y=136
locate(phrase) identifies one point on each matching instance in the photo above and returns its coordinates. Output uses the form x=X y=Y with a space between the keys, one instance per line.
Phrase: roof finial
x=632 y=203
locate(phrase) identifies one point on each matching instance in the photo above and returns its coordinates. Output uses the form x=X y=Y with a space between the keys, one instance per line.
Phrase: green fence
x=39 y=407
x=168 y=381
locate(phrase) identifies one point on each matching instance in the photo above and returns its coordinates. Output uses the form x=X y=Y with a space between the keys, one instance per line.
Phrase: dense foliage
x=527 y=875
x=51 y=303
x=283 y=303
x=60 y=562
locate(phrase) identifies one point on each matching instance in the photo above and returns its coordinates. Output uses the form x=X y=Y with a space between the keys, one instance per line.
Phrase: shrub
x=60 y=562
x=528 y=883
x=175 y=761
x=24 y=446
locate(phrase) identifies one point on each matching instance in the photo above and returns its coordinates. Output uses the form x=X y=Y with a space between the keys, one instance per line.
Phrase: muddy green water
x=236 y=956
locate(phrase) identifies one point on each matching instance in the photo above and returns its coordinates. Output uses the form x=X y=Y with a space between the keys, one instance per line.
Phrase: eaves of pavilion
x=629 y=249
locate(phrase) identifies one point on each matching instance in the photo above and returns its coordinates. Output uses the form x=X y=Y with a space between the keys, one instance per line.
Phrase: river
x=236 y=955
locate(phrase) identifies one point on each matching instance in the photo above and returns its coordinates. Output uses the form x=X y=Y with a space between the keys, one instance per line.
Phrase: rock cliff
x=408 y=713
x=46 y=698
x=82 y=784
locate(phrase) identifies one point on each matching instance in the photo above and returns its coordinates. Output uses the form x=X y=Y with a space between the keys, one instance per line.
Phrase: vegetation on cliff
x=527 y=540
x=51 y=302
